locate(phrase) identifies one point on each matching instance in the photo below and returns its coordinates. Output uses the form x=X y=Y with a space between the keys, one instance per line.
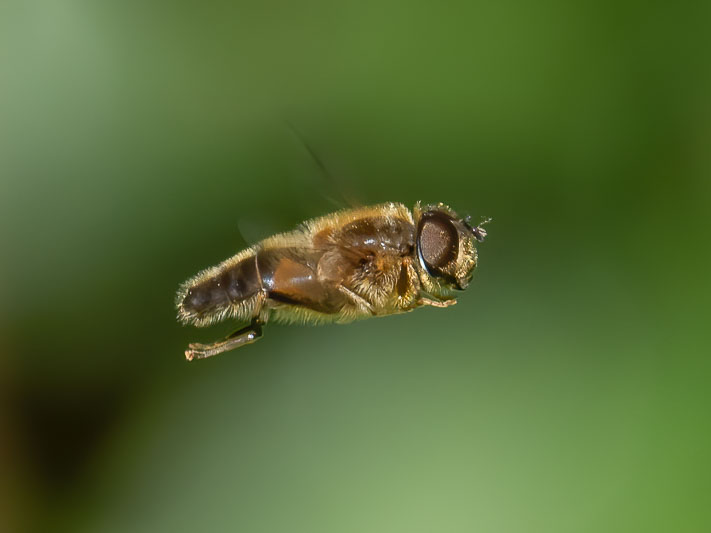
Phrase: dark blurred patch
x=59 y=427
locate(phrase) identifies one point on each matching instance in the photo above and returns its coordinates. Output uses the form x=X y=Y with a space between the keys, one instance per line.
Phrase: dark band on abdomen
x=232 y=284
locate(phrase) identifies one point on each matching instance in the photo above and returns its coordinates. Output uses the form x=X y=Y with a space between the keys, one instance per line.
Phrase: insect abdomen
x=209 y=294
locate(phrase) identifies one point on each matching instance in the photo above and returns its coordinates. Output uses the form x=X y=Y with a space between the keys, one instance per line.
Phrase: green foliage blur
x=568 y=391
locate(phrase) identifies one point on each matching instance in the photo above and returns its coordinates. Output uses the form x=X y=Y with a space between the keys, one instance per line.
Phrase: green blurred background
x=568 y=390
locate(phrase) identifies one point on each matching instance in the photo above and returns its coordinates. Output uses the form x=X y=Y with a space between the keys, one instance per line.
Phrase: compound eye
x=438 y=240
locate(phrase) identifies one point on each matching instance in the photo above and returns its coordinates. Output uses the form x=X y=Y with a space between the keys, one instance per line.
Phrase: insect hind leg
x=242 y=337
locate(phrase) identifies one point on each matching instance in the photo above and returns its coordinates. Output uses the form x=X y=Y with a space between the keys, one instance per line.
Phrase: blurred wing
x=336 y=190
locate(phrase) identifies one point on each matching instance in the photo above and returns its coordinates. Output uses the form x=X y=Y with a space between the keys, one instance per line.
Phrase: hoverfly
x=349 y=265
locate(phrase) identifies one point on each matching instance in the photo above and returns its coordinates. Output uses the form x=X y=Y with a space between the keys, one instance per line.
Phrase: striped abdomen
x=216 y=289
x=284 y=275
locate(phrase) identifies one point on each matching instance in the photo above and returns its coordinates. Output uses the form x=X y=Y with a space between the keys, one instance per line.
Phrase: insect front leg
x=242 y=337
x=435 y=303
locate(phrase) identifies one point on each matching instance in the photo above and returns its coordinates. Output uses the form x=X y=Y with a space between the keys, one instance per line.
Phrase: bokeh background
x=568 y=391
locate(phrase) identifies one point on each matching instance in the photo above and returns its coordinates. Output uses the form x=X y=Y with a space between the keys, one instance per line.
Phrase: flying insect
x=349 y=265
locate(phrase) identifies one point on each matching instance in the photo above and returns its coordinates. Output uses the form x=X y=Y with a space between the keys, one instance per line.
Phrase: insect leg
x=361 y=302
x=435 y=303
x=241 y=337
